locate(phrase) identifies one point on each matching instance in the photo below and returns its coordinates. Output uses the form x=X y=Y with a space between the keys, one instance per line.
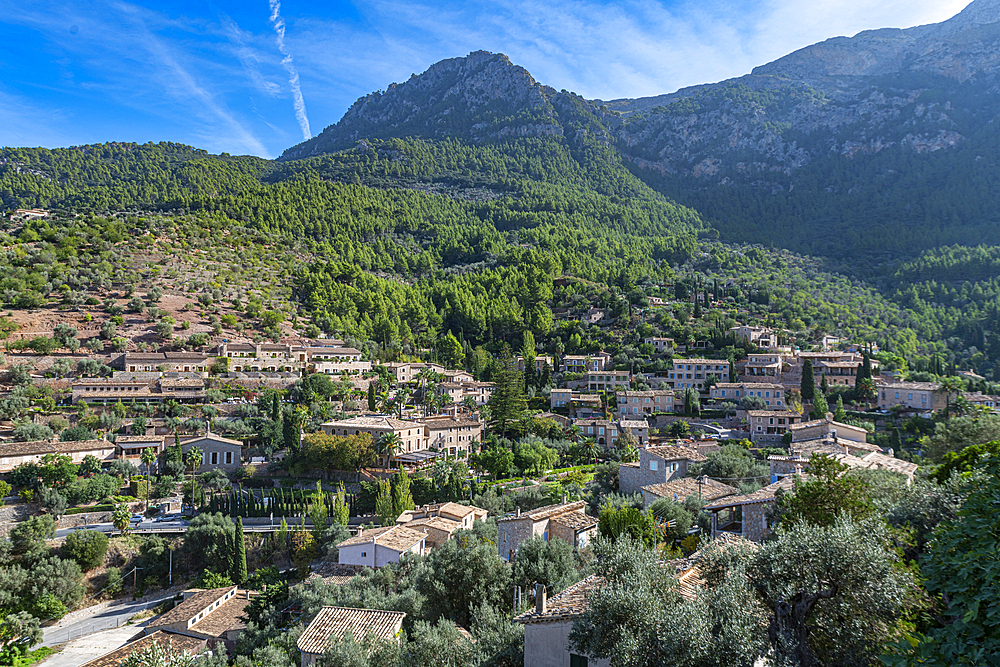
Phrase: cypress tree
x=808 y=387
x=371 y=397
x=240 y=555
x=824 y=386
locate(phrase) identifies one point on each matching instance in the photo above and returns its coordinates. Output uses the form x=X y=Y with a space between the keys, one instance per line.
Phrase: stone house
x=547 y=627
x=264 y=357
x=582 y=405
x=13 y=454
x=127 y=390
x=577 y=363
x=165 y=362
x=693 y=373
x=660 y=343
x=453 y=436
x=131 y=447
x=465 y=515
x=747 y=515
x=567 y=522
x=679 y=490
x=763 y=365
x=212 y=615
x=540 y=362
x=632 y=404
x=412 y=435
x=656 y=465
x=380 y=546
x=639 y=428
x=601 y=430
x=608 y=380
x=437 y=529
x=459 y=392
x=921 y=396
x=772 y=394
x=334 y=360
x=770 y=426
x=406 y=371
x=216 y=452
x=335 y=622
x=826 y=427
x=759 y=336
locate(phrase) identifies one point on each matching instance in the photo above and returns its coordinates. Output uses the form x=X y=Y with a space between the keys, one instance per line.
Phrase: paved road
x=104 y=618
x=155 y=527
x=90 y=647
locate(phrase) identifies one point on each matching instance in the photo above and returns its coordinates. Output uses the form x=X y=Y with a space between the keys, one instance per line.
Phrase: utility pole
x=135 y=582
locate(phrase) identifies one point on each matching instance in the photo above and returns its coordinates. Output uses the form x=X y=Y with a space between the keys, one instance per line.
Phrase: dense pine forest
x=404 y=240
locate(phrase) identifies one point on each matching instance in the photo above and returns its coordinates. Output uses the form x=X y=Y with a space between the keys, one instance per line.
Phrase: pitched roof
x=679 y=489
x=397 y=538
x=379 y=421
x=575 y=521
x=764 y=495
x=439 y=522
x=191 y=607
x=213 y=437
x=676 y=452
x=568 y=604
x=225 y=617
x=546 y=512
x=337 y=621
x=190 y=645
x=52 y=447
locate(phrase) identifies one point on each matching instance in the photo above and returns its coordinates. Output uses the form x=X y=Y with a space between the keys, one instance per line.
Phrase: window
x=215 y=458
x=364 y=553
x=577 y=660
x=652 y=465
x=229 y=457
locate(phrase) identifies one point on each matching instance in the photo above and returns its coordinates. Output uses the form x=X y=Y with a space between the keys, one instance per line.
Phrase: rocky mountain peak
x=457 y=96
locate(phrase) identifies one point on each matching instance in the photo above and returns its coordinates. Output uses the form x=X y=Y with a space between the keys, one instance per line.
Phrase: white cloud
x=293 y=75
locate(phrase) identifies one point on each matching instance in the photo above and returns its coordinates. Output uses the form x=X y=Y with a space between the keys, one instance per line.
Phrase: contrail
x=293 y=75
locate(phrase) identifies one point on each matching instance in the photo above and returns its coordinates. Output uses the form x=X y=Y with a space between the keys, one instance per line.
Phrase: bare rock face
x=923 y=89
x=482 y=95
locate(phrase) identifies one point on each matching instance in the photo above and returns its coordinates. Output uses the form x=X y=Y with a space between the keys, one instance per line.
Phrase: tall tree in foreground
x=808 y=385
x=507 y=405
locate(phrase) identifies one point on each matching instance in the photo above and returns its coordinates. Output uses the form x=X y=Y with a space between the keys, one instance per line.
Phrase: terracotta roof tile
x=337 y=621
x=191 y=607
x=575 y=520
x=676 y=452
x=548 y=511
x=568 y=604
x=683 y=487
x=760 y=496
x=225 y=617
x=189 y=645
x=398 y=538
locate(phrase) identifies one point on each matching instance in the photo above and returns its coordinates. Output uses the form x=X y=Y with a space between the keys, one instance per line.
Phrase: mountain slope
x=869 y=148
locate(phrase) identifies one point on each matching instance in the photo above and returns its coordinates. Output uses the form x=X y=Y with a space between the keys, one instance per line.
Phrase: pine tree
x=239 y=573
x=808 y=387
x=507 y=404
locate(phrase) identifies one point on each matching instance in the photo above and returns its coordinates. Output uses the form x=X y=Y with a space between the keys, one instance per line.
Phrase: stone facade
x=656 y=465
x=567 y=521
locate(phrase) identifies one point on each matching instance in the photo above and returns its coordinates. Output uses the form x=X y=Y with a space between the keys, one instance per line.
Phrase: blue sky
x=257 y=76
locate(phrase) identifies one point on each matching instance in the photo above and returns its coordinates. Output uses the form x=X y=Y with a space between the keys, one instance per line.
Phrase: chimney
x=540 y=601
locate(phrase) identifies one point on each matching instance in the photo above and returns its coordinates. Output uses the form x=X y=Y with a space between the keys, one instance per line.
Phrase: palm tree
x=121 y=518
x=591 y=449
x=193 y=458
x=148 y=457
x=950 y=385
x=389 y=443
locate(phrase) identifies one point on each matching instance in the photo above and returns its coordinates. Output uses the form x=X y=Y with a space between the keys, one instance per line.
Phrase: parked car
x=138 y=518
